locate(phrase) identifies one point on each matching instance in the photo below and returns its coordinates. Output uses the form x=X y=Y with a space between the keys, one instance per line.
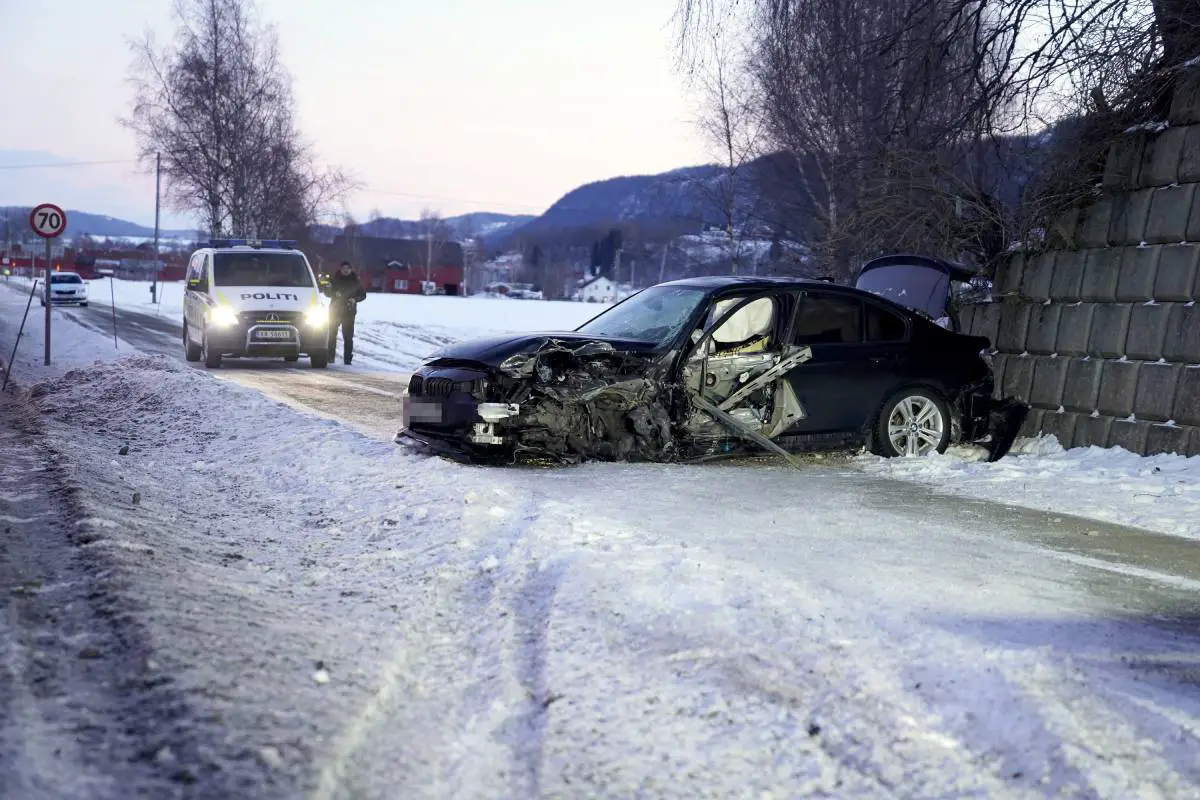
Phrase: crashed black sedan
x=716 y=366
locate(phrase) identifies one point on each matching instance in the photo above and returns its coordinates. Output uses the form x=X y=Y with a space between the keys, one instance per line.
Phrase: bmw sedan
x=718 y=366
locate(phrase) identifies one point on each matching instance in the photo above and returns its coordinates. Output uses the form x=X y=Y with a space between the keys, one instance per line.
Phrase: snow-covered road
x=323 y=614
x=350 y=620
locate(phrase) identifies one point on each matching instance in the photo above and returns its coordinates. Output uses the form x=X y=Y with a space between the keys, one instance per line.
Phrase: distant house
x=597 y=290
x=397 y=265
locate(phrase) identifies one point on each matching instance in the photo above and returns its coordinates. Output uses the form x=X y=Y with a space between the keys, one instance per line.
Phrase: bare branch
x=217 y=107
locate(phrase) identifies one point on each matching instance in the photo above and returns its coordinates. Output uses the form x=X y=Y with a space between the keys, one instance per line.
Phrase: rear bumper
x=991 y=423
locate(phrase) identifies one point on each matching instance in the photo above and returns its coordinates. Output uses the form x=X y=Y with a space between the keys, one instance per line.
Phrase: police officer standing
x=346 y=291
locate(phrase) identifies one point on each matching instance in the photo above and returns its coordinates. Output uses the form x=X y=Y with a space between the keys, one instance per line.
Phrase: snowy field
x=407 y=627
x=392 y=331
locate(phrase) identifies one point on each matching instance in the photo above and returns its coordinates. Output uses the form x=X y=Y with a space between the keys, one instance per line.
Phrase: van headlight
x=317 y=317
x=223 y=317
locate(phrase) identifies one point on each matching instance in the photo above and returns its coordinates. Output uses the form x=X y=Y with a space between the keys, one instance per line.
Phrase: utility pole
x=157 y=189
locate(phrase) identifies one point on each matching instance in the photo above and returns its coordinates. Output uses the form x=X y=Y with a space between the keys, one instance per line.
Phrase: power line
x=67 y=164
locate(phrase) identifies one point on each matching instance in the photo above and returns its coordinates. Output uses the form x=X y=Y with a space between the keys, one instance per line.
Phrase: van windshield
x=261 y=269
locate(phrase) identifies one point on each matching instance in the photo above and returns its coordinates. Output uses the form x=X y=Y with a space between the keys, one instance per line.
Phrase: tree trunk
x=1179 y=26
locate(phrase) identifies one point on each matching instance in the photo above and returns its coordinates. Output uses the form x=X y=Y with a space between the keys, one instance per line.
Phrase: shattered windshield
x=911 y=285
x=261 y=269
x=655 y=315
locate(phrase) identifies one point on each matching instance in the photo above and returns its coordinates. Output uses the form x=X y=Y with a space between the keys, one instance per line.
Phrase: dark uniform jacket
x=346 y=291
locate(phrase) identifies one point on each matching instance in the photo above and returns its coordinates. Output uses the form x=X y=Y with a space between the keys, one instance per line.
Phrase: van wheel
x=191 y=352
x=318 y=360
x=913 y=422
x=212 y=360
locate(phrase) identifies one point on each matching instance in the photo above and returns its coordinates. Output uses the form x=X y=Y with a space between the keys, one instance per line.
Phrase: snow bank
x=1159 y=493
x=72 y=344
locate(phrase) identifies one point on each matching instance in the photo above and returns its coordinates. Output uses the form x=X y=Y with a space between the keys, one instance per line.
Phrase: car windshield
x=65 y=279
x=261 y=269
x=913 y=286
x=655 y=315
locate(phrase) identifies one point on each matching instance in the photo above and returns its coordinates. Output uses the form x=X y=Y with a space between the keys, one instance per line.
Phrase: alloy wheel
x=916 y=426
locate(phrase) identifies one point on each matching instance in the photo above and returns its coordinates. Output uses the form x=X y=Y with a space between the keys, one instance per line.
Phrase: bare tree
x=843 y=86
x=217 y=106
x=436 y=233
x=732 y=122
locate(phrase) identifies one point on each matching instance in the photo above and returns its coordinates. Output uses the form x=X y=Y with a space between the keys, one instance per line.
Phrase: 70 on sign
x=48 y=220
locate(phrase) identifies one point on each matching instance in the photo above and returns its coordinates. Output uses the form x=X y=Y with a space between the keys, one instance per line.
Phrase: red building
x=396 y=265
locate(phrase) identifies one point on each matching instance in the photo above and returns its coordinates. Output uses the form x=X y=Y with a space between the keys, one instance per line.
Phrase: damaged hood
x=492 y=350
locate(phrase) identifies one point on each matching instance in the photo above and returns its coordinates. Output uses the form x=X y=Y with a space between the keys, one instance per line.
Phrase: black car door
x=858 y=349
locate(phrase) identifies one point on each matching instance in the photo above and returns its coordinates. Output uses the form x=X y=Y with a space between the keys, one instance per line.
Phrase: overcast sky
x=462 y=105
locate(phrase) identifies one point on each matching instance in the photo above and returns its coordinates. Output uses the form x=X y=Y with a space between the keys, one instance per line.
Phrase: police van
x=253 y=299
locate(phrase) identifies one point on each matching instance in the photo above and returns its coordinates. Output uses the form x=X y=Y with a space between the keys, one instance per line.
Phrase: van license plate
x=272 y=334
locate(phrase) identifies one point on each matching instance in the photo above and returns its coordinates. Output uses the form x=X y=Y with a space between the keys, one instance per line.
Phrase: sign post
x=48 y=221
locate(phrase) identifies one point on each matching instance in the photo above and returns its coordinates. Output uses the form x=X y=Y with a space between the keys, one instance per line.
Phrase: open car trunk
x=920 y=283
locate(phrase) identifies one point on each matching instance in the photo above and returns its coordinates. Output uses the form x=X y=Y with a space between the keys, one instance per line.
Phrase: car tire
x=211 y=360
x=83 y=304
x=318 y=360
x=191 y=352
x=914 y=421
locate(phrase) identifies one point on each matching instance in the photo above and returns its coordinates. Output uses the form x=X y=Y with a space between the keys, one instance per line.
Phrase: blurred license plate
x=272 y=334
x=424 y=410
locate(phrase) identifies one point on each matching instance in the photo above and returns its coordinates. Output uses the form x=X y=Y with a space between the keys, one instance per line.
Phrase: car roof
x=715 y=283
x=247 y=249
x=743 y=282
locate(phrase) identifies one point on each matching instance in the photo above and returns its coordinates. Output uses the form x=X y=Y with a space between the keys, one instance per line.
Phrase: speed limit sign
x=48 y=220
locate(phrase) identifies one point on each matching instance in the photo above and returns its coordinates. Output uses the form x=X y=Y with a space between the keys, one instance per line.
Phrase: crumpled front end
x=558 y=400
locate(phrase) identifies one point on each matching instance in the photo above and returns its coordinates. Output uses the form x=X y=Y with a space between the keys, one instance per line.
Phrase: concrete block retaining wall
x=1101 y=333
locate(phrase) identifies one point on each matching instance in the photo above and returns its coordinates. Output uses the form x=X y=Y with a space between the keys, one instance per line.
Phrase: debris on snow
x=270 y=757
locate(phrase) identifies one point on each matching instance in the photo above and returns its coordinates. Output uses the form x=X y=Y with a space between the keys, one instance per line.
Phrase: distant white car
x=66 y=288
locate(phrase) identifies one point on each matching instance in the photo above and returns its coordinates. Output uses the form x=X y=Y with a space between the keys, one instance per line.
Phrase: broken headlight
x=545 y=372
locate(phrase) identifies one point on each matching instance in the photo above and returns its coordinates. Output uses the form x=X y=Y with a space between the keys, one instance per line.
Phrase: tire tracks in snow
x=480 y=695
